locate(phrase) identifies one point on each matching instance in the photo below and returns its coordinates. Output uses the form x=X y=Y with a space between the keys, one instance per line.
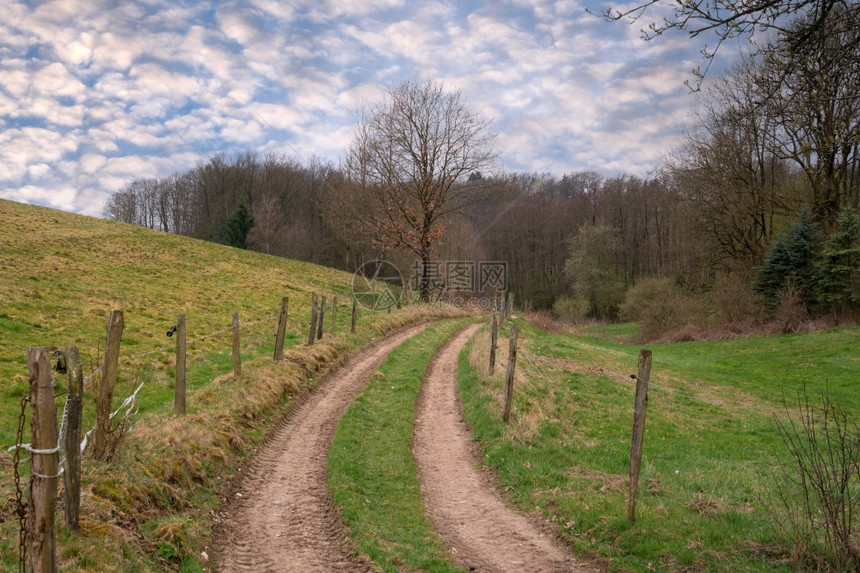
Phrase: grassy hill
x=60 y=277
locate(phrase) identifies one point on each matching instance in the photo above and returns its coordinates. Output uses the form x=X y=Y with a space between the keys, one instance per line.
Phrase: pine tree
x=792 y=260
x=838 y=275
x=239 y=226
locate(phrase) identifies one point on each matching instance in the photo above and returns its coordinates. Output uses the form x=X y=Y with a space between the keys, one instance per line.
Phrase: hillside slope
x=60 y=277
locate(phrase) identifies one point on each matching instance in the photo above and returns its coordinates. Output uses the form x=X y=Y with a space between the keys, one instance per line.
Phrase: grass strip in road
x=372 y=472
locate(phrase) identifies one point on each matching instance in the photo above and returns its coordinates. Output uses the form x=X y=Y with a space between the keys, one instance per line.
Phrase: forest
x=751 y=220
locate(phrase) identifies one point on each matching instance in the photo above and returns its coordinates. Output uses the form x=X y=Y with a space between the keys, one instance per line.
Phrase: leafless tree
x=412 y=155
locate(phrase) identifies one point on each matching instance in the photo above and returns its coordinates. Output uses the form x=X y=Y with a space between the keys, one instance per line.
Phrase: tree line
x=756 y=205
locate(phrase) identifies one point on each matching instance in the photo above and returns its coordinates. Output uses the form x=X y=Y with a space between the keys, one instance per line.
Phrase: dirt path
x=282 y=517
x=482 y=532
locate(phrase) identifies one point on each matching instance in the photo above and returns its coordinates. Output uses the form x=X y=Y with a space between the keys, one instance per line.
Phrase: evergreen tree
x=239 y=226
x=792 y=260
x=838 y=275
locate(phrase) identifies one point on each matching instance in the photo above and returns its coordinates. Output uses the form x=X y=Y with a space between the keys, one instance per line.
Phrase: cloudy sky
x=94 y=94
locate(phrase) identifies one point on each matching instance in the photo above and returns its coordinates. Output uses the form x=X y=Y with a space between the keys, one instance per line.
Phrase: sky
x=95 y=94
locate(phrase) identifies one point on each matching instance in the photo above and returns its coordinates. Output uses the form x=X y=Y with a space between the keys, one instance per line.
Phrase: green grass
x=60 y=276
x=710 y=440
x=372 y=471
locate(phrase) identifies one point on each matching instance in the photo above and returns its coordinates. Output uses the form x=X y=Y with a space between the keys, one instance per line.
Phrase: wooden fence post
x=354 y=313
x=116 y=323
x=639 y=409
x=72 y=437
x=282 y=329
x=494 y=336
x=333 y=315
x=43 y=478
x=509 y=376
x=312 y=335
x=321 y=319
x=179 y=384
x=237 y=356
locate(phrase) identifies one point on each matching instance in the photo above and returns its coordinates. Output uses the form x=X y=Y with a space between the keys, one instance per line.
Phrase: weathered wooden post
x=509 y=376
x=104 y=399
x=354 y=313
x=72 y=437
x=43 y=477
x=237 y=356
x=179 y=384
x=494 y=336
x=640 y=406
x=282 y=329
x=333 y=315
x=321 y=319
x=312 y=335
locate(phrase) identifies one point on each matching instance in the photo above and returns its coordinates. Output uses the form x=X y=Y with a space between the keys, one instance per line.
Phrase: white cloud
x=95 y=93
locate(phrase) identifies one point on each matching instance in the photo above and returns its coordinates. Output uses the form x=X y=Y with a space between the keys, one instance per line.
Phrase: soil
x=281 y=516
x=478 y=527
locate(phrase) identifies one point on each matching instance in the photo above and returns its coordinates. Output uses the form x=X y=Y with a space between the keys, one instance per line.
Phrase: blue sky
x=94 y=94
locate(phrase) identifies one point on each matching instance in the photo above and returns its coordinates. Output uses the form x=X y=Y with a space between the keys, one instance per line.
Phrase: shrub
x=571 y=309
x=816 y=495
x=658 y=305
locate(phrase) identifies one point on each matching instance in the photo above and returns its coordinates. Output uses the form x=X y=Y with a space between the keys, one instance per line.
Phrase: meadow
x=711 y=451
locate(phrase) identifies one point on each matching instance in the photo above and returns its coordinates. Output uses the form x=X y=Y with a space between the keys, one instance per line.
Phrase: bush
x=571 y=309
x=658 y=305
x=815 y=495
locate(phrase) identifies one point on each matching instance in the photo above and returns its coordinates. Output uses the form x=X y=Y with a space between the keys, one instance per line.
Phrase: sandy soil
x=478 y=528
x=281 y=517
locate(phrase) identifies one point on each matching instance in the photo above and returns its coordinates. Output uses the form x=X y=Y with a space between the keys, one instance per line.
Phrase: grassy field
x=372 y=471
x=62 y=274
x=711 y=441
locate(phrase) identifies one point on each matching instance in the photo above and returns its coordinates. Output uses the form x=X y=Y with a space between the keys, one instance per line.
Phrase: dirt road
x=480 y=530
x=282 y=517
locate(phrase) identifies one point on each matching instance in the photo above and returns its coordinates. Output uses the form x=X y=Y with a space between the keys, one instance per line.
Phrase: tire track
x=281 y=518
x=482 y=532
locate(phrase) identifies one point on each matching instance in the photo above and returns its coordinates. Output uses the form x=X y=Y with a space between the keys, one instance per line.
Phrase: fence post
x=43 y=478
x=312 y=335
x=282 y=329
x=494 y=336
x=321 y=319
x=639 y=409
x=179 y=385
x=72 y=437
x=333 y=315
x=354 y=313
x=237 y=357
x=116 y=323
x=509 y=376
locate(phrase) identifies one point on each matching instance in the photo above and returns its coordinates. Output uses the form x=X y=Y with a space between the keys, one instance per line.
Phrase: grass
x=710 y=440
x=148 y=509
x=372 y=471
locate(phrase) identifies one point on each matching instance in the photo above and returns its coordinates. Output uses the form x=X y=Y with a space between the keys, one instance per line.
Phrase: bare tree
x=727 y=19
x=414 y=154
